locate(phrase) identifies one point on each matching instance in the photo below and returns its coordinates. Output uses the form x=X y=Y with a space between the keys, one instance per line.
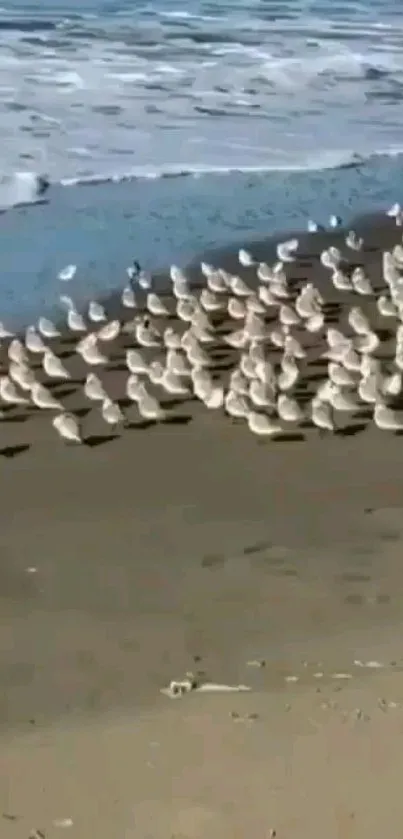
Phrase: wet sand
x=196 y=546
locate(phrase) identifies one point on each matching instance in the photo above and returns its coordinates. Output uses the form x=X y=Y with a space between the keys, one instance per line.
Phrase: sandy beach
x=193 y=545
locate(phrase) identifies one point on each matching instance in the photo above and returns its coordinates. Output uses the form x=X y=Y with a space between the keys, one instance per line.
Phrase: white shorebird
x=136 y=363
x=262 y=425
x=9 y=392
x=129 y=298
x=149 y=407
x=112 y=413
x=173 y=384
x=386 y=419
x=22 y=375
x=48 y=329
x=67 y=427
x=96 y=312
x=322 y=415
x=90 y=352
x=33 y=341
x=53 y=367
x=286 y=250
x=94 y=389
x=288 y=409
x=109 y=332
x=67 y=273
x=42 y=398
x=17 y=352
x=245 y=258
x=4 y=332
x=75 y=321
x=353 y=241
x=156 y=305
x=146 y=335
x=215 y=398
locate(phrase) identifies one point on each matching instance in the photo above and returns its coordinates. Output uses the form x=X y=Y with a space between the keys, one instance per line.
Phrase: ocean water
x=170 y=126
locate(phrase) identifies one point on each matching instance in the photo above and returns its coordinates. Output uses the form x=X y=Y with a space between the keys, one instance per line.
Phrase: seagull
x=156 y=306
x=133 y=387
x=396 y=213
x=156 y=372
x=93 y=388
x=129 y=298
x=210 y=301
x=4 y=332
x=90 y=352
x=288 y=409
x=149 y=407
x=48 y=329
x=67 y=273
x=262 y=425
x=96 y=312
x=147 y=336
x=76 y=321
x=342 y=401
x=361 y=283
x=218 y=282
x=33 y=341
x=136 y=363
x=42 y=398
x=264 y=273
x=171 y=339
x=109 y=331
x=53 y=367
x=17 y=352
x=245 y=258
x=22 y=375
x=286 y=250
x=353 y=242
x=358 y=321
x=386 y=419
x=67 y=427
x=261 y=394
x=321 y=413
x=111 y=412
x=215 y=398
x=173 y=384
x=236 y=405
x=9 y=392
x=236 y=308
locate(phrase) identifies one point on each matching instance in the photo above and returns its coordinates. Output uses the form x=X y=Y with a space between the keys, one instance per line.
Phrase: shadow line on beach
x=13 y=451
x=96 y=440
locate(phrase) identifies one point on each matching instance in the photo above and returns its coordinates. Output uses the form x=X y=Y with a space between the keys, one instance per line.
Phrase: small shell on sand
x=176 y=689
x=341 y=676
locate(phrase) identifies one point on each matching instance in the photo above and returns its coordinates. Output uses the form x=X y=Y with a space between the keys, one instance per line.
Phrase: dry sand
x=194 y=546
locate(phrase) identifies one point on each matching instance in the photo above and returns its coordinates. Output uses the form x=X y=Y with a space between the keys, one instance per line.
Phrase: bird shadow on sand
x=82 y=412
x=289 y=437
x=17 y=418
x=351 y=430
x=120 y=367
x=183 y=419
x=141 y=425
x=13 y=451
x=96 y=440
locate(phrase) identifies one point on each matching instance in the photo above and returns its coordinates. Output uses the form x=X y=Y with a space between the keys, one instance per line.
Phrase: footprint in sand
x=275 y=559
x=213 y=560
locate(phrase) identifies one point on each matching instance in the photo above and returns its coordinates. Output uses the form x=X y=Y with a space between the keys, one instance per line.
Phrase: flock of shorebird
x=270 y=328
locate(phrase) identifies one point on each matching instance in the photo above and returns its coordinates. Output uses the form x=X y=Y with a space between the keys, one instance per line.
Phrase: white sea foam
x=161 y=88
